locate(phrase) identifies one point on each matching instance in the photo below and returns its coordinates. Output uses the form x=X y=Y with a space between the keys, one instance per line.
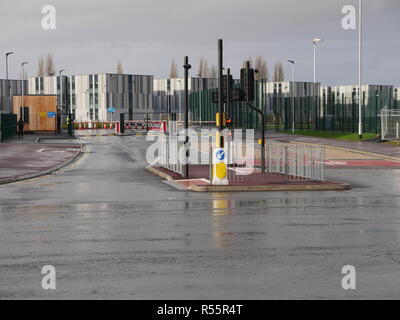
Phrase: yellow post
x=219 y=158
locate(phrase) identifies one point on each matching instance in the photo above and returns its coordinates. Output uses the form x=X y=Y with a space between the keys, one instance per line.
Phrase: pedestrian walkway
x=369 y=146
x=35 y=155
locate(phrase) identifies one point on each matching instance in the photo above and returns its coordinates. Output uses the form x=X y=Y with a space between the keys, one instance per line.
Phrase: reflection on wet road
x=113 y=230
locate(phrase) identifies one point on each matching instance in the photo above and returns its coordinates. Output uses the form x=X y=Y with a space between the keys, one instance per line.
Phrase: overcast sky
x=92 y=35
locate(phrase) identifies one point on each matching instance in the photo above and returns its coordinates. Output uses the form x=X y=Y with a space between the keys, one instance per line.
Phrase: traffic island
x=242 y=181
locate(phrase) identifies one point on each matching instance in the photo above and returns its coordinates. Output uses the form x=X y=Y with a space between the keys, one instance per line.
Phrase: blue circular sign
x=220 y=154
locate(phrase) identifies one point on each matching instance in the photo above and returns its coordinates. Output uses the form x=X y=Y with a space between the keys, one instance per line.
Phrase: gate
x=390 y=124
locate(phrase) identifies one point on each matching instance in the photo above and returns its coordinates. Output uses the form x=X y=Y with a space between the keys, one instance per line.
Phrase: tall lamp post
x=315 y=42
x=8 y=84
x=360 y=129
x=293 y=77
x=61 y=99
x=22 y=87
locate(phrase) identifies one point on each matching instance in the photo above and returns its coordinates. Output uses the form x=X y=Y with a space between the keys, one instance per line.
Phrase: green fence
x=204 y=109
x=310 y=113
x=8 y=126
x=337 y=115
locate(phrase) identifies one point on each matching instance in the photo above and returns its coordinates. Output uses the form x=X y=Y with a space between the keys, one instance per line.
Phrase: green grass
x=333 y=135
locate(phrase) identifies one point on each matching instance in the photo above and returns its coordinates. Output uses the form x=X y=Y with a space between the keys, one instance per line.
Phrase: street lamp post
x=22 y=88
x=293 y=77
x=9 y=87
x=360 y=129
x=61 y=100
x=315 y=42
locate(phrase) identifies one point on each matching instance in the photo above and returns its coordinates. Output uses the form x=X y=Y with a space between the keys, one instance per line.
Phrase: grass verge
x=334 y=135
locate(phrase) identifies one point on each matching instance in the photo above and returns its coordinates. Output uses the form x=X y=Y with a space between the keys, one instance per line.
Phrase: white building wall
x=128 y=94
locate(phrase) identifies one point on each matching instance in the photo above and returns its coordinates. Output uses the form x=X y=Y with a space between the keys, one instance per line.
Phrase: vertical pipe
x=228 y=94
x=315 y=63
x=187 y=66
x=220 y=92
x=360 y=128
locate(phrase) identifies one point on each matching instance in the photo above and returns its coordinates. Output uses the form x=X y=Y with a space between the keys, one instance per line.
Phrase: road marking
x=86 y=151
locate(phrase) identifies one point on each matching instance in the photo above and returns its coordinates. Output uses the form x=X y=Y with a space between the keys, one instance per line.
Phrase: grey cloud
x=92 y=36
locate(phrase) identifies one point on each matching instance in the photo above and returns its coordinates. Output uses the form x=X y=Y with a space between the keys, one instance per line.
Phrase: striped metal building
x=92 y=96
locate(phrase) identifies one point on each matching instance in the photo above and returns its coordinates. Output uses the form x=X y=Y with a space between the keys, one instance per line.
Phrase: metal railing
x=390 y=124
x=170 y=153
x=284 y=163
x=296 y=162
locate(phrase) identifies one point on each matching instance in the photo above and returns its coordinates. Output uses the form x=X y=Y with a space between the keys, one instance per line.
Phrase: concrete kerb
x=77 y=153
x=211 y=188
x=379 y=155
x=322 y=187
x=159 y=173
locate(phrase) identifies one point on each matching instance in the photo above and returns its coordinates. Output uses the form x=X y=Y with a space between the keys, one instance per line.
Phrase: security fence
x=390 y=120
x=331 y=112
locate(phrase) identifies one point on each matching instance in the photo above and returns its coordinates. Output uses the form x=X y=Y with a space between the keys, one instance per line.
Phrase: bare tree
x=261 y=65
x=279 y=75
x=213 y=73
x=245 y=62
x=201 y=67
x=120 y=70
x=49 y=67
x=173 y=73
x=203 y=71
x=40 y=70
x=206 y=70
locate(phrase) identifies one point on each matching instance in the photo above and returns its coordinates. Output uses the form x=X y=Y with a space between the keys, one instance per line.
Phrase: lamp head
x=317 y=40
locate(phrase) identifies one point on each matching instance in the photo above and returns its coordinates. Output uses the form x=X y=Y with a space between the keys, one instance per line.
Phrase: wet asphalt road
x=113 y=230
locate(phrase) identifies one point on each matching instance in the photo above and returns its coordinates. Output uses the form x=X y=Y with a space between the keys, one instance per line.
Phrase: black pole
x=220 y=91
x=122 y=123
x=228 y=95
x=187 y=66
x=262 y=118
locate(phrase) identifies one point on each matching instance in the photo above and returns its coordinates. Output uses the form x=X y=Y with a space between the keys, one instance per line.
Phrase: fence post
x=286 y=164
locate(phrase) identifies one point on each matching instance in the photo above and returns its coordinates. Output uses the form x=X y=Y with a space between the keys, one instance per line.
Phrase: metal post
x=293 y=76
x=187 y=66
x=315 y=62
x=22 y=93
x=360 y=128
x=8 y=83
x=220 y=91
x=261 y=113
x=228 y=94
x=122 y=123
